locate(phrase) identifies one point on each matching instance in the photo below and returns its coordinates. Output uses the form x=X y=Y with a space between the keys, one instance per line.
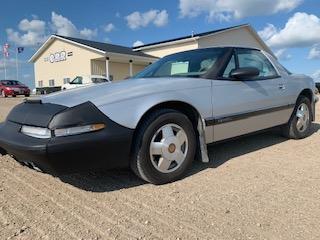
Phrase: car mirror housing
x=245 y=73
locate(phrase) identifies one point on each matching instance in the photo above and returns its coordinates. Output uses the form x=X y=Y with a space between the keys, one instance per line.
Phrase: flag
x=20 y=49
x=6 y=50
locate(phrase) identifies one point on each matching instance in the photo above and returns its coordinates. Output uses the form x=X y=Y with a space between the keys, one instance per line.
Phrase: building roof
x=101 y=47
x=106 y=47
x=204 y=34
x=190 y=36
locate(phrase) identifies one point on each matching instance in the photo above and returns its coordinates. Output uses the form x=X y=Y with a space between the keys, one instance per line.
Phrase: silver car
x=157 y=121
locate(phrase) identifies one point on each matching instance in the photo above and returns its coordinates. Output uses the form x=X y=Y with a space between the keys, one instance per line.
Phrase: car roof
x=9 y=80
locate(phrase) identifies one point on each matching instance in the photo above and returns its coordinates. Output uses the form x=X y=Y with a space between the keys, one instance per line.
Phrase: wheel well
x=182 y=107
x=307 y=93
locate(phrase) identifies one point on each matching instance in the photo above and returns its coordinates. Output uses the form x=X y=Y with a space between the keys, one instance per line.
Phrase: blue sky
x=290 y=27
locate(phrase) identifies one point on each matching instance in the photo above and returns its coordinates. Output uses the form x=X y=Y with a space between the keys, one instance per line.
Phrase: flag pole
x=17 y=64
x=5 y=68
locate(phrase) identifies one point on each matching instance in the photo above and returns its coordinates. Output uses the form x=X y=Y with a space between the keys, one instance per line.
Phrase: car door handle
x=281 y=86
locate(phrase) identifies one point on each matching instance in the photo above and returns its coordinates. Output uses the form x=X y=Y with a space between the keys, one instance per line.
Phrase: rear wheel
x=165 y=147
x=299 y=125
x=27 y=95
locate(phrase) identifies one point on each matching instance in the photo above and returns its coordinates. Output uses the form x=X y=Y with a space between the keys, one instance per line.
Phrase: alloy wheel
x=303 y=117
x=168 y=148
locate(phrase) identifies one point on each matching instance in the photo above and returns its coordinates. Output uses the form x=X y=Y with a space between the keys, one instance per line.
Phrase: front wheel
x=299 y=125
x=165 y=147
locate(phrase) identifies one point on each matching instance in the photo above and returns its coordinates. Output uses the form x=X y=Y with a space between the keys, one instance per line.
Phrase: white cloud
x=268 y=31
x=316 y=75
x=137 y=43
x=314 y=52
x=225 y=10
x=282 y=54
x=109 y=27
x=33 y=25
x=137 y=20
x=301 y=30
x=63 y=26
x=161 y=19
x=88 y=33
x=32 y=33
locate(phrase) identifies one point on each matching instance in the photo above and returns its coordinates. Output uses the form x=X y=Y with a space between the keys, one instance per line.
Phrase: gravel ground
x=258 y=187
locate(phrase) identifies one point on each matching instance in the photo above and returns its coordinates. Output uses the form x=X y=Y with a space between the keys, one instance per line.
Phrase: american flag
x=6 y=50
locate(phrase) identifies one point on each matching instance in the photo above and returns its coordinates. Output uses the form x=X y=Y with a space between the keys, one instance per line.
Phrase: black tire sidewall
x=293 y=126
x=144 y=165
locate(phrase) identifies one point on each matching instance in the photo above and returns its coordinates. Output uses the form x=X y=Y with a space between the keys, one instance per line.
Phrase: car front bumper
x=105 y=149
x=18 y=92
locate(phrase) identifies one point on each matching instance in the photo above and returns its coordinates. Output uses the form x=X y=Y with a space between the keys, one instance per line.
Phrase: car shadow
x=107 y=181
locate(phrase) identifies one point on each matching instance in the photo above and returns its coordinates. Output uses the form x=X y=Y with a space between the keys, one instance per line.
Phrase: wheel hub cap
x=172 y=148
x=168 y=148
x=302 y=117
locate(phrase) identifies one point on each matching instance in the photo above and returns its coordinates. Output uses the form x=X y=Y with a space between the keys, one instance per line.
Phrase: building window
x=51 y=83
x=66 y=80
x=40 y=83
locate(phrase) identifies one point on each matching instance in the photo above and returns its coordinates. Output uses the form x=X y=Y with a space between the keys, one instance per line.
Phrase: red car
x=13 y=88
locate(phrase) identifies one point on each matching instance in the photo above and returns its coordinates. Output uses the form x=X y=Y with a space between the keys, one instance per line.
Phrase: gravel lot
x=258 y=187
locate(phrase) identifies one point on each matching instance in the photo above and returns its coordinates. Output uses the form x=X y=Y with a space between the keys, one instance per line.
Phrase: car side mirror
x=245 y=73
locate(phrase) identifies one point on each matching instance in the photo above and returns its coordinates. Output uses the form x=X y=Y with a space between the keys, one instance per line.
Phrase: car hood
x=106 y=93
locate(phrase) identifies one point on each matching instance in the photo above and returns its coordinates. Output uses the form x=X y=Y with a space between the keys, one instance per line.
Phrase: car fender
x=129 y=112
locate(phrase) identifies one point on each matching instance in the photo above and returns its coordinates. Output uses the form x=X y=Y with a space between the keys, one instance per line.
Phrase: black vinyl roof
x=191 y=36
x=107 y=47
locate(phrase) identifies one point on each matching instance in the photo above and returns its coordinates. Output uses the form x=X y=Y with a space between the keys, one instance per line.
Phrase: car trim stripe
x=241 y=116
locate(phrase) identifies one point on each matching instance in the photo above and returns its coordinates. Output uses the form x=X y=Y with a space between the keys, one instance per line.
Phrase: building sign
x=56 y=57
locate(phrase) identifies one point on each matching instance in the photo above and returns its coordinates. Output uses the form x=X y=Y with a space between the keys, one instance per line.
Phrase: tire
x=176 y=154
x=27 y=95
x=14 y=95
x=293 y=129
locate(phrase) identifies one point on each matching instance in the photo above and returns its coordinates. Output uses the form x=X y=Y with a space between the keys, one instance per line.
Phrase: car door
x=249 y=105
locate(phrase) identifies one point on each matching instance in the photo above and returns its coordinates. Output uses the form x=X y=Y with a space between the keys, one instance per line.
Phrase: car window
x=10 y=83
x=98 y=80
x=254 y=58
x=185 y=64
x=231 y=66
x=77 y=80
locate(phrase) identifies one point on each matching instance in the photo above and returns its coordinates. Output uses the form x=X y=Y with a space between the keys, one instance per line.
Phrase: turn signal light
x=78 y=130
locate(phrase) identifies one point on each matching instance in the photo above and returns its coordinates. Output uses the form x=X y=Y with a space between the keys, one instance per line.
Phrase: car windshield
x=185 y=64
x=10 y=83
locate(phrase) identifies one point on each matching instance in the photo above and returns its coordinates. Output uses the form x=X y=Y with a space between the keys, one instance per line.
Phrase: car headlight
x=78 y=130
x=36 y=132
x=44 y=133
